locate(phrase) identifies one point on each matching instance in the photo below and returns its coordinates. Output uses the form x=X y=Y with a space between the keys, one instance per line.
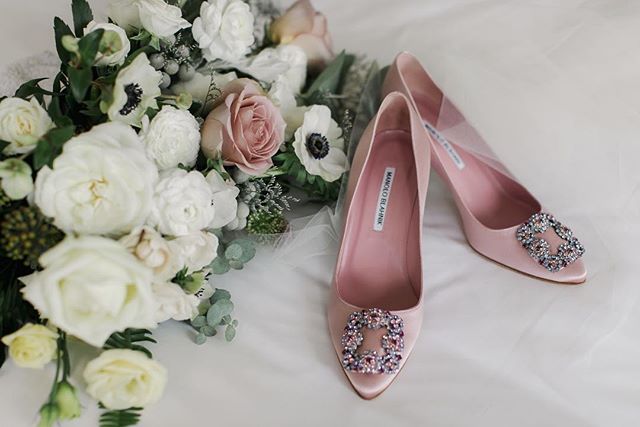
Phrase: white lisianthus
x=115 y=45
x=200 y=85
x=173 y=303
x=172 y=138
x=22 y=124
x=102 y=183
x=285 y=62
x=240 y=222
x=158 y=17
x=223 y=199
x=224 y=29
x=319 y=144
x=91 y=287
x=17 y=182
x=182 y=203
x=284 y=98
x=196 y=250
x=122 y=379
x=32 y=346
x=136 y=88
x=153 y=251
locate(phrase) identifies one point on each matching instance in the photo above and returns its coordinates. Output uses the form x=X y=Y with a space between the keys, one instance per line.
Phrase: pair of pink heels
x=375 y=310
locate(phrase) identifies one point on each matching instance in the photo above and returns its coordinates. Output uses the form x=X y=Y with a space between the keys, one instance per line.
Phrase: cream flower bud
x=32 y=346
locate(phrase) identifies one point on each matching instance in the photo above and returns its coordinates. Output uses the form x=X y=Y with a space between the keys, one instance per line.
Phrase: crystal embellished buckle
x=369 y=361
x=540 y=250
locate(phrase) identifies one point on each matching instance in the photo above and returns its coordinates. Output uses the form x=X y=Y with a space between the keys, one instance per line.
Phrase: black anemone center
x=318 y=146
x=134 y=96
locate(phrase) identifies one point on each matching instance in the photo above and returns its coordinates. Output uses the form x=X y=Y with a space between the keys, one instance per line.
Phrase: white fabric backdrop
x=555 y=87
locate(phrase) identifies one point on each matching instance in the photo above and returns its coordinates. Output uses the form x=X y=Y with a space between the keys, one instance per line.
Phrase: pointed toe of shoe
x=369 y=386
x=573 y=274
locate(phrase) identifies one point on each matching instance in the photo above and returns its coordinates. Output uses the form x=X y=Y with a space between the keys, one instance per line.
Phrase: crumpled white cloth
x=43 y=65
x=554 y=87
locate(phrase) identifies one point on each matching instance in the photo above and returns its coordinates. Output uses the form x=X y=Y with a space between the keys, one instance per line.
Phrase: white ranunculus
x=200 y=85
x=196 y=250
x=182 y=203
x=153 y=251
x=32 y=346
x=122 y=379
x=240 y=222
x=319 y=144
x=17 y=182
x=136 y=88
x=173 y=303
x=224 y=29
x=91 y=287
x=223 y=200
x=115 y=45
x=22 y=124
x=126 y=14
x=285 y=62
x=102 y=183
x=172 y=138
x=156 y=16
x=160 y=18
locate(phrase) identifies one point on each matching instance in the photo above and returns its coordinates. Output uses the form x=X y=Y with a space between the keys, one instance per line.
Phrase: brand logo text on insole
x=446 y=145
x=383 y=198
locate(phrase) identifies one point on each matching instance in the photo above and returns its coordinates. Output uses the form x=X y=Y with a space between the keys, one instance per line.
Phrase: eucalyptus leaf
x=230 y=333
x=226 y=320
x=248 y=249
x=218 y=310
x=208 y=331
x=233 y=252
x=199 y=321
x=235 y=323
x=82 y=15
x=220 y=265
x=201 y=338
x=220 y=294
x=236 y=265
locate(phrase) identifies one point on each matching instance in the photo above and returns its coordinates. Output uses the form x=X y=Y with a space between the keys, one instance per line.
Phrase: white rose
x=153 y=251
x=240 y=222
x=319 y=144
x=173 y=303
x=196 y=250
x=102 y=183
x=17 y=182
x=199 y=87
x=116 y=42
x=156 y=16
x=122 y=379
x=160 y=18
x=22 y=124
x=172 y=138
x=135 y=91
x=285 y=62
x=32 y=346
x=182 y=203
x=91 y=287
x=224 y=29
x=223 y=199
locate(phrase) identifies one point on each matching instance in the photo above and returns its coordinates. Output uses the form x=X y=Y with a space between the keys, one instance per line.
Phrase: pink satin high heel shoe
x=501 y=219
x=375 y=307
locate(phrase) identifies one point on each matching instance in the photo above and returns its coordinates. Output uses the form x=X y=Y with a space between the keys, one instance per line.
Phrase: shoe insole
x=380 y=237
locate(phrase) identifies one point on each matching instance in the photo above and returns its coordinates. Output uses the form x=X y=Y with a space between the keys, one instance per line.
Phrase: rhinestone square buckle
x=540 y=250
x=369 y=361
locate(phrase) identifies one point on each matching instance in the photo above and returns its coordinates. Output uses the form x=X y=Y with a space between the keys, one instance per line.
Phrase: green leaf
x=218 y=310
x=208 y=331
x=220 y=265
x=30 y=88
x=50 y=146
x=4 y=144
x=120 y=418
x=235 y=323
x=191 y=9
x=248 y=249
x=130 y=339
x=330 y=80
x=230 y=333
x=61 y=29
x=220 y=294
x=236 y=265
x=233 y=252
x=201 y=338
x=199 y=321
x=82 y=15
x=88 y=47
x=80 y=80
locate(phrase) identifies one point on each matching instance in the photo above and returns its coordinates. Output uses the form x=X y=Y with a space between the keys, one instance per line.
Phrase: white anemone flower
x=136 y=88
x=319 y=144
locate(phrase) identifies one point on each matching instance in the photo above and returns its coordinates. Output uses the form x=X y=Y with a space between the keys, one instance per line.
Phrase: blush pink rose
x=303 y=26
x=245 y=128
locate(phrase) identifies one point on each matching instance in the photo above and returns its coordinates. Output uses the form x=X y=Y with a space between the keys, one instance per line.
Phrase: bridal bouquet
x=164 y=150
